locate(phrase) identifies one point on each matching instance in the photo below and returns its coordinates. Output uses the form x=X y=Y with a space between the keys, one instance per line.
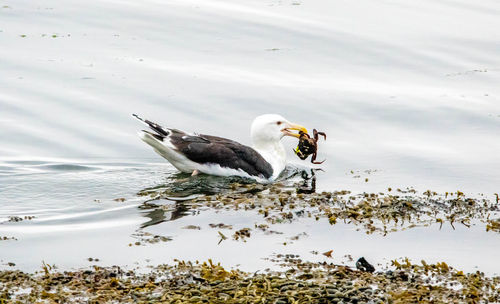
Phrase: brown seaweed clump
x=372 y=212
x=208 y=282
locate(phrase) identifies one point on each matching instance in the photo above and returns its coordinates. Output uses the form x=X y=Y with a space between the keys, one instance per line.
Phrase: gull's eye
x=279 y=123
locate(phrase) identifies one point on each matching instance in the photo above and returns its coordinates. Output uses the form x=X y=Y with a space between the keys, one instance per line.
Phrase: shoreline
x=210 y=282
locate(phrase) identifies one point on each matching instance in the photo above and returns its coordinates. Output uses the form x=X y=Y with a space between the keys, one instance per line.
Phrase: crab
x=308 y=146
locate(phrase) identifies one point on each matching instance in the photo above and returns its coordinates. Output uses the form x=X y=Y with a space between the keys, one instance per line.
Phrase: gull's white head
x=266 y=132
x=270 y=128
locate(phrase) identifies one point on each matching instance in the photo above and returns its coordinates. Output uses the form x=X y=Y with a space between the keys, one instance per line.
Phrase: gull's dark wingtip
x=154 y=126
x=138 y=117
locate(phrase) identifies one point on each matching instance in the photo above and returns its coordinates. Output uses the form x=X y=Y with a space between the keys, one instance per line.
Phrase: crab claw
x=316 y=133
x=318 y=162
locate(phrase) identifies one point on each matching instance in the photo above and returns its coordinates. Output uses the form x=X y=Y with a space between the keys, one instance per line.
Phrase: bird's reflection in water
x=159 y=215
x=308 y=185
x=180 y=189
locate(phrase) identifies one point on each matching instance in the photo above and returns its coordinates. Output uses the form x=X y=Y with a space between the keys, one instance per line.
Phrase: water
x=405 y=103
x=78 y=214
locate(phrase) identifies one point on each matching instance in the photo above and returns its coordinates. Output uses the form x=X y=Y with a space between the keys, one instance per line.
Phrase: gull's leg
x=195 y=172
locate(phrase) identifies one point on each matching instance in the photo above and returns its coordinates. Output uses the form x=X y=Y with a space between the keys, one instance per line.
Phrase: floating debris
x=19 y=219
x=298 y=236
x=220 y=226
x=493 y=225
x=328 y=254
x=7 y=238
x=222 y=237
x=146 y=237
x=265 y=229
x=372 y=212
x=242 y=234
x=192 y=227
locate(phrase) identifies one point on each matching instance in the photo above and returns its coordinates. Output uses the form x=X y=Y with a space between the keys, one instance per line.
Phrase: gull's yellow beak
x=289 y=127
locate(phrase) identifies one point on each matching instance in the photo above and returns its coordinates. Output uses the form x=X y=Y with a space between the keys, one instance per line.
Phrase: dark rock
x=363 y=265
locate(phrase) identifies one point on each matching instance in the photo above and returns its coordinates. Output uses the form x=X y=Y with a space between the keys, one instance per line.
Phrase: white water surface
x=407 y=89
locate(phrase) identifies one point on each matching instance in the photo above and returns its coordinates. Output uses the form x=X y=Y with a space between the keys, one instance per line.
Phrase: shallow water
x=405 y=103
x=77 y=217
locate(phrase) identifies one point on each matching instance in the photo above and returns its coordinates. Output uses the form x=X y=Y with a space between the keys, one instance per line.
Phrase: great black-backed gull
x=198 y=153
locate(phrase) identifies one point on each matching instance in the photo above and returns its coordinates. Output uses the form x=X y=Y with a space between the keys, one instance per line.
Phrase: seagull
x=197 y=153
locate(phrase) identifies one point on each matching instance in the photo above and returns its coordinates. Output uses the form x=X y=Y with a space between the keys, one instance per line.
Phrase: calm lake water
x=405 y=103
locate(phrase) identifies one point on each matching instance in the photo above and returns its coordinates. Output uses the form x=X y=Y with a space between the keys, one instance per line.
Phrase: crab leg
x=313 y=160
x=316 y=133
